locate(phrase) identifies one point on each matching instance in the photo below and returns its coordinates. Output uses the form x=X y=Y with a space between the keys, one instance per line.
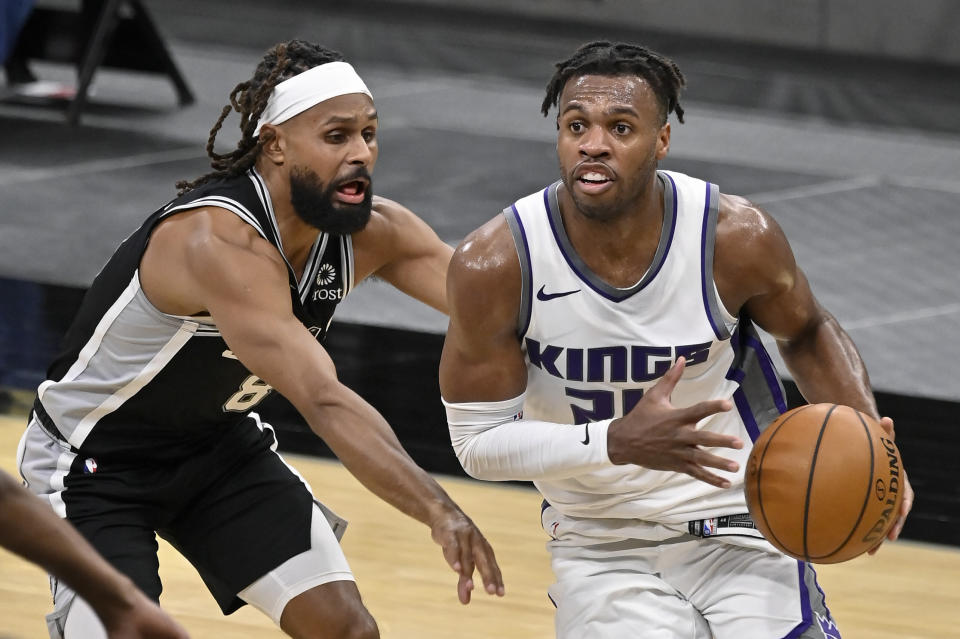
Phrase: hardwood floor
x=908 y=590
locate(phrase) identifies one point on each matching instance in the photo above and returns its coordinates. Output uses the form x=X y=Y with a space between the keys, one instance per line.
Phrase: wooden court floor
x=907 y=591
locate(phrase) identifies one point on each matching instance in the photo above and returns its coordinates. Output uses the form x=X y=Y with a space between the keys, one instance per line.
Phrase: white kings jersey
x=592 y=350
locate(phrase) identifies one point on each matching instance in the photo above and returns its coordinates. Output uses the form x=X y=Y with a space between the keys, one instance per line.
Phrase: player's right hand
x=465 y=549
x=657 y=435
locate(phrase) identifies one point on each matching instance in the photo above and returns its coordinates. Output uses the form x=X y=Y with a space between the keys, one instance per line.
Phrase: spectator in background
x=13 y=15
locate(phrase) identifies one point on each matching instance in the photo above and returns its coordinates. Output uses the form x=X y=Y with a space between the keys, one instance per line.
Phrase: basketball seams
x=763 y=454
x=866 y=498
x=822 y=516
x=813 y=468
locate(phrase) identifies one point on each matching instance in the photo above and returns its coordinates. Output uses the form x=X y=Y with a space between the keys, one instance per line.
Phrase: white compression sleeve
x=493 y=441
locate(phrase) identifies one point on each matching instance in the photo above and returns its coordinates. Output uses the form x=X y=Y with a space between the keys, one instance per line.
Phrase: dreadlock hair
x=249 y=99
x=605 y=58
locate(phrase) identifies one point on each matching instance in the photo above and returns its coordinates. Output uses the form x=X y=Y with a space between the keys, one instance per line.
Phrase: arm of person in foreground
x=29 y=528
x=483 y=379
x=756 y=271
x=211 y=260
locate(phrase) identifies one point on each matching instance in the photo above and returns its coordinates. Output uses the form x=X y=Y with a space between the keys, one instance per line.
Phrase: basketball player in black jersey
x=28 y=528
x=145 y=422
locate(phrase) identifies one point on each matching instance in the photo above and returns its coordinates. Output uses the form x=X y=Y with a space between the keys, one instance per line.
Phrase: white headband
x=297 y=94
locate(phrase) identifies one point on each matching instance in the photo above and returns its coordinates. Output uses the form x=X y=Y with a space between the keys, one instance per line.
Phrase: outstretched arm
x=756 y=272
x=212 y=260
x=29 y=528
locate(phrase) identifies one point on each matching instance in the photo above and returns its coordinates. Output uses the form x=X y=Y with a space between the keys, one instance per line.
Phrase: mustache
x=579 y=164
x=360 y=173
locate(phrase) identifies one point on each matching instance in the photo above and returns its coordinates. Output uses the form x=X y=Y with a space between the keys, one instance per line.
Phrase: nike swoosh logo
x=586 y=440
x=543 y=296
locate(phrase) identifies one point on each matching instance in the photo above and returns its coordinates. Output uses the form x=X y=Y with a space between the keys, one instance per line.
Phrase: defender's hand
x=464 y=548
x=659 y=436
x=143 y=620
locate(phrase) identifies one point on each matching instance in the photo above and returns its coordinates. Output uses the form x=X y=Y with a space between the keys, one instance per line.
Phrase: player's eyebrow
x=343 y=119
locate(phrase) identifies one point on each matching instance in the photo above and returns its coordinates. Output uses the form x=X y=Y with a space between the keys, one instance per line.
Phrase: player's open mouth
x=594 y=182
x=352 y=192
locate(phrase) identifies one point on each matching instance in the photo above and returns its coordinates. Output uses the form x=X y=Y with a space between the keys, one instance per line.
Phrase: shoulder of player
x=751 y=254
x=746 y=231
x=210 y=236
x=389 y=220
x=485 y=266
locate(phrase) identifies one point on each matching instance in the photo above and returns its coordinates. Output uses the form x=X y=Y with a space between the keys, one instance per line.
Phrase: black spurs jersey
x=130 y=374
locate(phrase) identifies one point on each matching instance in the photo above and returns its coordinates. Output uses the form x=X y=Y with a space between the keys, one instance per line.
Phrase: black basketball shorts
x=232 y=507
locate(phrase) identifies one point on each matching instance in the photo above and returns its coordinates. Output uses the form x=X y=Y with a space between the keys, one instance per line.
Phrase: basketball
x=823 y=483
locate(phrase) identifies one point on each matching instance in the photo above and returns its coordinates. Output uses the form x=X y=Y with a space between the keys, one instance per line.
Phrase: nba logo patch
x=90 y=466
x=709 y=527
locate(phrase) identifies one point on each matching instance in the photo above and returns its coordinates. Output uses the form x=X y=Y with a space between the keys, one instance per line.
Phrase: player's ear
x=273 y=144
x=663 y=141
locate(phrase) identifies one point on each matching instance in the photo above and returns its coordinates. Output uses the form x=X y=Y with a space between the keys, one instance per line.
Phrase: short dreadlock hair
x=249 y=99
x=606 y=58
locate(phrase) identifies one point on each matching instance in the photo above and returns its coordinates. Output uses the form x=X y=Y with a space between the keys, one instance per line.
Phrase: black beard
x=314 y=203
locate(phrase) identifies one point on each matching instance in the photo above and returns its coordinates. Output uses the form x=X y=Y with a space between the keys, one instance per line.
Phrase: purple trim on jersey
x=647 y=278
x=737 y=374
x=673 y=229
x=823 y=597
x=556 y=237
x=526 y=248
x=746 y=413
x=769 y=372
x=806 y=611
x=703 y=267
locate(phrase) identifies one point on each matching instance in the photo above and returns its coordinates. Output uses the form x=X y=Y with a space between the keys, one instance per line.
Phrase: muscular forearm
x=827 y=367
x=366 y=445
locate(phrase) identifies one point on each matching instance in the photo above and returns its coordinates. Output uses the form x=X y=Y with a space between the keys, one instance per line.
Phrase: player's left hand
x=907 y=502
x=465 y=548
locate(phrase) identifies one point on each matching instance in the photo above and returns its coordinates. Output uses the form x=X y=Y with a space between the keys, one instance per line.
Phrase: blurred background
x=840 y=118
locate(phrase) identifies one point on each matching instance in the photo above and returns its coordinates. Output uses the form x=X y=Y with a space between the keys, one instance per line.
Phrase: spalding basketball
x=824 y=483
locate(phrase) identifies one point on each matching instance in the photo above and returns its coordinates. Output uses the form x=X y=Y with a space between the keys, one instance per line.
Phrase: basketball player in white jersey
x=145 y=423
x=601 y=344
x=30 y=529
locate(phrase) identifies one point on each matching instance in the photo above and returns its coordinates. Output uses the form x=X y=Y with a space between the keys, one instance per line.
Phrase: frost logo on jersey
x=827 y=627
x=89 y=466
x=326 y=274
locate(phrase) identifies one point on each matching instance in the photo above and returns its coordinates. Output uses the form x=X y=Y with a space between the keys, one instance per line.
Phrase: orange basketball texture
x=824 y=483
